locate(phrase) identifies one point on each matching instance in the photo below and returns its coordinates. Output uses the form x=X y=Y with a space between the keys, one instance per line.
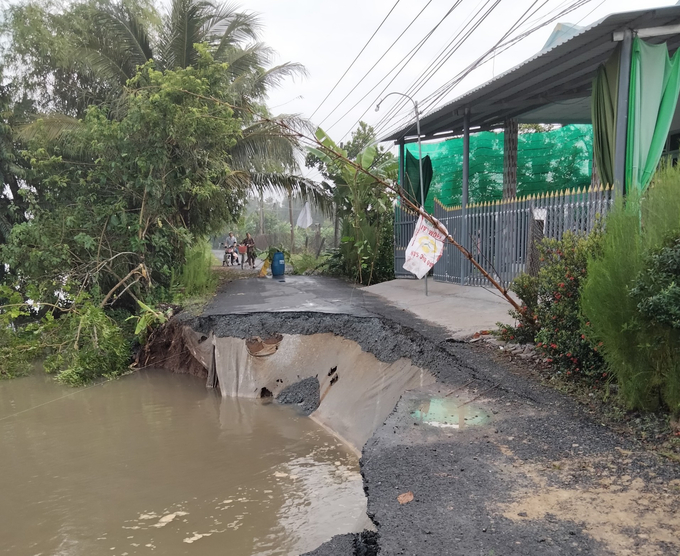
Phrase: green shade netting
x=412 y=177
x=654 y=88
x=604 y=106
x=547 y=161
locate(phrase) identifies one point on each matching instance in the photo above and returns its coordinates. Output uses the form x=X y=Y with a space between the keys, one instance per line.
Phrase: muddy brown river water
x=156 y=464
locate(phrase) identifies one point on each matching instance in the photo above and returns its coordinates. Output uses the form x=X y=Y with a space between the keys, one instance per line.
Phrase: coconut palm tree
x=126 y=35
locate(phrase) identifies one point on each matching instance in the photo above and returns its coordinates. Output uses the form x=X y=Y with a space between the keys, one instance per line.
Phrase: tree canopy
x=127 y=135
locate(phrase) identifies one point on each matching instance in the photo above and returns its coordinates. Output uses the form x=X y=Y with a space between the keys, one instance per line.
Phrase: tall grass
x=644 y=357
x=197 y=276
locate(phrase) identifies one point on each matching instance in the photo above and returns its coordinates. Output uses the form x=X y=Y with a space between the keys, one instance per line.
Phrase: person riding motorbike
x=230 y=256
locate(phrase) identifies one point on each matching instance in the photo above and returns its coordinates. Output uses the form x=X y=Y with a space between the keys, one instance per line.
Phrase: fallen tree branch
x=140 y=269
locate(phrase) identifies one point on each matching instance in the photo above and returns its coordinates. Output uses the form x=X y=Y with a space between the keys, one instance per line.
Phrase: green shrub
x=524 y=332
x=550 y=315
x=656 y=289
x=623 y=288
x=85 y=345
x=563 y=334
x=303 y=262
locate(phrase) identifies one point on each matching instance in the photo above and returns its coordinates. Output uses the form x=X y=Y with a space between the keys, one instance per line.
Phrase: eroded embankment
x=347 y=373
x=538 y=477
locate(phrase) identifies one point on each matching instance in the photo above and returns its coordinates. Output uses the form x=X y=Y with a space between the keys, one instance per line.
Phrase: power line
x=432 y=99
x=401 y=102
x=379 y=60
x=409 y=55
x=355 y=59
x=446 y=88
x=447 y=52
x=502 y=44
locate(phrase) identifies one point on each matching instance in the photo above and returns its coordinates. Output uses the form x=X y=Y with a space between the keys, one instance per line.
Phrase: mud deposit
x=473 y=460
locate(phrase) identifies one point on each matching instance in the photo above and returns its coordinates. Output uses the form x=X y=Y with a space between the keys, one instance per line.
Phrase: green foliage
x=304 y=262
x=78 y=345
x=634 y=273
x=148 y=185
x=268 y=255
x=155 y=132
x=366 y=248
x=147 y=320
x=563 y=333
x=85 y=345
x=526 y=288
x=197 y=276
x=657 y=288
x=551 y=314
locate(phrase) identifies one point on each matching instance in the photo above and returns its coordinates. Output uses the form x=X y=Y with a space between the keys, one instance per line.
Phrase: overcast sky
x=325 y=37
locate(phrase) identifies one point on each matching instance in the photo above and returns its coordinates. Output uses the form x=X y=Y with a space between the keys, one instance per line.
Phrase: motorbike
x=230 y=257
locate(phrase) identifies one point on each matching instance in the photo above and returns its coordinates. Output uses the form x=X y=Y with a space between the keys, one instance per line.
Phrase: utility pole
x=420 y=152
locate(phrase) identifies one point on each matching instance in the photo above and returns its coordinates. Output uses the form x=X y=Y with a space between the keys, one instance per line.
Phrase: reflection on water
x=155 y=464
x=449 y=413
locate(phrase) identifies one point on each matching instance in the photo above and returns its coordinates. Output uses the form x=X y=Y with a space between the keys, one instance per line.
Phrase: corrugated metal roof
x=547 y=87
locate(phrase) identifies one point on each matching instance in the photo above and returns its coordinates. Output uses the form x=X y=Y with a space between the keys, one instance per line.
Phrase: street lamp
x=420 y=153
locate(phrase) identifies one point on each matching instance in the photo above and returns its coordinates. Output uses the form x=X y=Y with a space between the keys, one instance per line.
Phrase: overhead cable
x=432 y=100
x=405 y=60
x=379 y=60
x=445 y=54
x=355 y=59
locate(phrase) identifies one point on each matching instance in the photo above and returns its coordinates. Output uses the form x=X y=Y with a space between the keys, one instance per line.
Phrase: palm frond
x=50 y=127
x=274 y=77
x=296 y=186
x=128 y=33
x=185 y=26
x=263 y=147
x=228 y=28
x=244 y=61
x=110 y=67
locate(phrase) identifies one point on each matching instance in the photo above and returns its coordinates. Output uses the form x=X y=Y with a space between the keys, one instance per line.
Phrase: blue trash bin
x=278 y=264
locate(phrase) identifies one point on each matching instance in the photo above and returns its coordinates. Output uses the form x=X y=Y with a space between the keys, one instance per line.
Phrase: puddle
x=448 y=413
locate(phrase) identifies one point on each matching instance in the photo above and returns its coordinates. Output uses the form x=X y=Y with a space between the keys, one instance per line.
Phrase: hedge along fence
x=502 y=235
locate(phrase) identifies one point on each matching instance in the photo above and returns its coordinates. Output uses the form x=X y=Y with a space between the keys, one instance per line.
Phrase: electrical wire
x=355 y=59
x=505 y=45
x=379 y=60
x=424 y=76
x=439 y=93
x=502 y=45
x=446 y=53
x=409 y=56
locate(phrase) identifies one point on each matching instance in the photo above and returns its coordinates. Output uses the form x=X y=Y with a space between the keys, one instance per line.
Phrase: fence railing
x=502 y=235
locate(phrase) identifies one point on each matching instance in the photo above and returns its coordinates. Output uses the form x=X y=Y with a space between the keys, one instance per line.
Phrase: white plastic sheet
x=305 y=218
x=424 y=249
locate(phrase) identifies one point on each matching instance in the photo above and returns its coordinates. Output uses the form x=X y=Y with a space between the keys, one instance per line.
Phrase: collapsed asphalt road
x=481 y=462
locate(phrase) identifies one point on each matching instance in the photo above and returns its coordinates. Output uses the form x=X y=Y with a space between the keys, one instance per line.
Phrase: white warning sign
x=425 y=248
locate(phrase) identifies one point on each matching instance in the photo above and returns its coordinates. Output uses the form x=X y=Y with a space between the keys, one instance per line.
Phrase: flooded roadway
x=155 y=464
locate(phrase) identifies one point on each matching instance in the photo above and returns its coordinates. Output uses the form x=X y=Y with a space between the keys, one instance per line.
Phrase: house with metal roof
x=615 y=74
x=555 y=86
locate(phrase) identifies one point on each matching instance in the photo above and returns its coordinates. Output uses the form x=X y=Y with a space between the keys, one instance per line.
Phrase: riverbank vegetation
x=129 y=135
x=604 y=309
